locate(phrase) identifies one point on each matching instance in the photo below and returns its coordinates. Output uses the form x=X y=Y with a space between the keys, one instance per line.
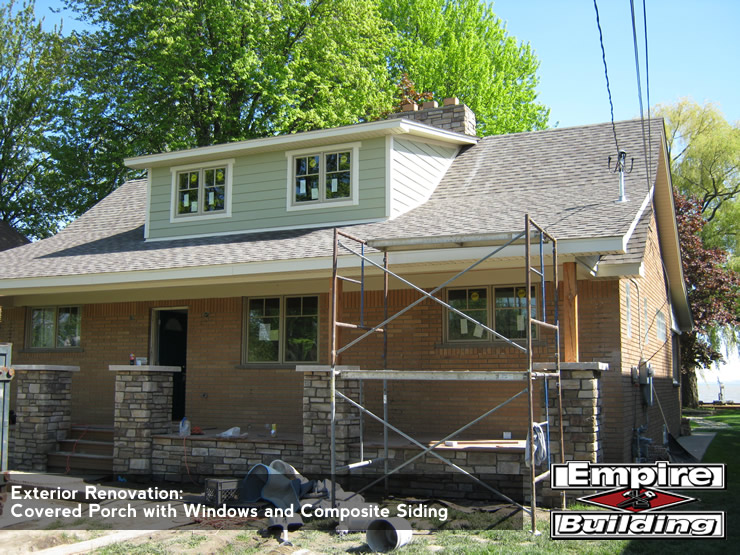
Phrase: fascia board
x=631 y=269
x=253 y=270
x=297 y=140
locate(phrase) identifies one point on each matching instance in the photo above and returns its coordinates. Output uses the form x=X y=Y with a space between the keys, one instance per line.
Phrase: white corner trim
x=388 y=175
x=147 y=203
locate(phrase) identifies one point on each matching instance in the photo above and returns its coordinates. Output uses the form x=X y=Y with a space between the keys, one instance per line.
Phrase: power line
x=647 y=85
x=606 y=74
x=639 y=92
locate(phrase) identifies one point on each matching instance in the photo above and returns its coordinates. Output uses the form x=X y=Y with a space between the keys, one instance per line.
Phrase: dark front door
x=172 y=347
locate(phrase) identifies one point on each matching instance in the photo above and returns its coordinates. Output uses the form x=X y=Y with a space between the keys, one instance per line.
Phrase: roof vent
x=621 y=168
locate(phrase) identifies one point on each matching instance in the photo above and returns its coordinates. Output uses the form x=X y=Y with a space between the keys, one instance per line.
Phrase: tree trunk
x=689 y=389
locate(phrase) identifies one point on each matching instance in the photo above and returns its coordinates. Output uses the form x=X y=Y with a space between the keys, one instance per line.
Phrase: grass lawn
x=724 y=449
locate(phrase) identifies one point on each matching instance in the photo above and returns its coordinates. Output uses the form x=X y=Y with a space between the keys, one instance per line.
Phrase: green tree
x=30 y=85
x=460 y=48
x=704 y=151
x=713 y=292
x=159 y=76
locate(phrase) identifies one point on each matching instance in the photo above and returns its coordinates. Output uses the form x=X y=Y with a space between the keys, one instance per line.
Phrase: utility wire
x=606 y=74
x=639 y=92
x=647 y=85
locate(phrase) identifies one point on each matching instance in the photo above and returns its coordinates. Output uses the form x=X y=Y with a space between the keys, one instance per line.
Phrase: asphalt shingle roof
x=559 y=176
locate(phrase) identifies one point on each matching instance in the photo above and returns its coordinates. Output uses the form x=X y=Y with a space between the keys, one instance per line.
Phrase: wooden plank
x=569 y=317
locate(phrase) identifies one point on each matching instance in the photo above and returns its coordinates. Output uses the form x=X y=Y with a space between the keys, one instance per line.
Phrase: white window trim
x=354 y=198
x=180 y=218
x=491 y=313
x=282 y=318
x=658 y=328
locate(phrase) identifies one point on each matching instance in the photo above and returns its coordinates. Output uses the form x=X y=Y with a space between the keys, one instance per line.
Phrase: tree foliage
x=157 y=76
x=30 y=85
x=705 y=162
x=460 y=48
x=713 y=292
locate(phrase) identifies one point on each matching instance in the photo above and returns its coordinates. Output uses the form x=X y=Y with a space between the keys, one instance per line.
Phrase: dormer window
x=322 y=178
x=202 y=191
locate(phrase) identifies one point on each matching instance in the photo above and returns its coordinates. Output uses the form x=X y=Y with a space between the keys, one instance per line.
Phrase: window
x=646 y=322
x=202 y=191
x=282 y=329
x=507 y=313
x=660 y=326
x=328 y=177
x=55 y=327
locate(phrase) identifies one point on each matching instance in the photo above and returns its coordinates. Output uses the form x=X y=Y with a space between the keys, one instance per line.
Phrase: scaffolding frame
x=529 y=376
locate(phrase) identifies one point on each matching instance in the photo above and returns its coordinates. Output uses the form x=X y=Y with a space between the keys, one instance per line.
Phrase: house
x=216 y=268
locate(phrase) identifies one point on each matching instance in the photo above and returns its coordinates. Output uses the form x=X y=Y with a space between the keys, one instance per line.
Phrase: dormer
x=354 y=174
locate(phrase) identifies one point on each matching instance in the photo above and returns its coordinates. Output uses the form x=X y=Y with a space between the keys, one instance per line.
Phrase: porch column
x=143 y=409
x=317 y=420
x=569 y=319
x=43 y=412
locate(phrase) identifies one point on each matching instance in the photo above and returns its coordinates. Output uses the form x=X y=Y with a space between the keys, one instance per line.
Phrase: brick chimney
x=452 y=115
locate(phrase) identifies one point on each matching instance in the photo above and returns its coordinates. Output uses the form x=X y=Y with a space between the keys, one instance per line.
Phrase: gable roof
x=9 y=237
x=559 y=176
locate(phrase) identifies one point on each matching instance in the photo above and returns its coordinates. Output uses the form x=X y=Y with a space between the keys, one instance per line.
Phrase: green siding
x=259 y=197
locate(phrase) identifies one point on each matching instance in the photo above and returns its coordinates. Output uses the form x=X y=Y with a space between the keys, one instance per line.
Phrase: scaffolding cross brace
x=529 y=375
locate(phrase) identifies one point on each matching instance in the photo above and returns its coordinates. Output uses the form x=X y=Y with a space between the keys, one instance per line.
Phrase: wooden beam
x=569 y=319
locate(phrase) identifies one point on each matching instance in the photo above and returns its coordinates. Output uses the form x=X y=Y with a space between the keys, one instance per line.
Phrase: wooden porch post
x=570 y=313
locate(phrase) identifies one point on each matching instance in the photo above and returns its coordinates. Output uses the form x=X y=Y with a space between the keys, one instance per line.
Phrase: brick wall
x=643 y=343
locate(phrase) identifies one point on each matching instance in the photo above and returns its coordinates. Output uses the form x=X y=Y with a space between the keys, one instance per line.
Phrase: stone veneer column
x=43 y=412
x=582 y=405
x=317 y=421
x=143 y=409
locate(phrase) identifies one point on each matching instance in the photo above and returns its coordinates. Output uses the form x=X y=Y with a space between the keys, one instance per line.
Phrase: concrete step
x=86 y=447
x=78 y=462
x=92 y=433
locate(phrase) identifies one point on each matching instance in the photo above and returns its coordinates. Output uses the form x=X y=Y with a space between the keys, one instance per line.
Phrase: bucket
x=387 y=534
x=251 y=486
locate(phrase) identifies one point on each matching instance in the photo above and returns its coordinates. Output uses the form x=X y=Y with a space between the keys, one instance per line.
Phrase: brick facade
x=223 y=392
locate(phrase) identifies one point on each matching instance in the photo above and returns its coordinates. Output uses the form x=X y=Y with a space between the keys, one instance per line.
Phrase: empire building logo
x=634 y=493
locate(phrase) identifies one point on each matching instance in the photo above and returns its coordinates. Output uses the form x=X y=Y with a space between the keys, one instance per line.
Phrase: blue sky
x=693 y=50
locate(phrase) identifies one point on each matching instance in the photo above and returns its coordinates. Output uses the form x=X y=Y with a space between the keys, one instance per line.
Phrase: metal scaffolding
x=358 y=249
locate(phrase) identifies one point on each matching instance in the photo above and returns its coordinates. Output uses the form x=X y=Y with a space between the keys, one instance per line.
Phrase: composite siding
x=259 y=197
x=418 y=168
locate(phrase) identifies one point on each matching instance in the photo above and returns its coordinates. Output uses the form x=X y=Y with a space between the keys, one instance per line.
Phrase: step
x=92 y=433
x=78 y=462
x=86 y=447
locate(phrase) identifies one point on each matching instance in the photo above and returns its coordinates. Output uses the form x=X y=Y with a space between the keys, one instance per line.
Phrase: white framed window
x=661 y=329
x=281 y=329
x=323 y=177
x=202 y=191
x=646 y=322
x=502 y=308
x=54 y=327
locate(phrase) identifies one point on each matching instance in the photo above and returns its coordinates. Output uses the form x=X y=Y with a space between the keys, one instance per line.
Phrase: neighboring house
x=9 y=237
x=219 y=261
